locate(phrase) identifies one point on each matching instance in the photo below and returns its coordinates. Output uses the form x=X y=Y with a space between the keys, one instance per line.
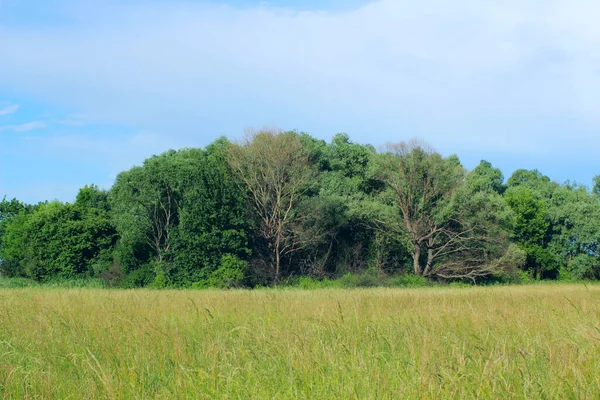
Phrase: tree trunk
x=277 y=261
x=429 y=265
x=416 y=257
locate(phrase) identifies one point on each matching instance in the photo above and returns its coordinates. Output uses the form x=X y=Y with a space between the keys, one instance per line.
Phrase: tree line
x=282 y=205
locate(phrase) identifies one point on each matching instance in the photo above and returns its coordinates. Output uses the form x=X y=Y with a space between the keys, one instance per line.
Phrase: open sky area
x=89 y=88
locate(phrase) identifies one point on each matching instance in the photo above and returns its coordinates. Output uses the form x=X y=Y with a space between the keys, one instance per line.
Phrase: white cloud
x=29 y=126
x=9 y=109
x=26 y=127
x=71 y=120
x=392 y=68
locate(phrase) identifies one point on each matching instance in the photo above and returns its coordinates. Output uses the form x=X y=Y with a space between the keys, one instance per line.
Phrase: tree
x=275 y=170
x=450 y=231
x=573 y=215
x=596 y=186
x=145 y=201
x=178 y=215
x=422 y=182
x=335 y=225
x=485 y=178
x=531 y=228
x=9 y=210
x=13 y=244
x=60 y=239
x=541 y=185
x=211 y=245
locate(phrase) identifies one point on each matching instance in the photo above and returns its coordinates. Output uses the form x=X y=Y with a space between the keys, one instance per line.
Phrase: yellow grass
x=503 y=342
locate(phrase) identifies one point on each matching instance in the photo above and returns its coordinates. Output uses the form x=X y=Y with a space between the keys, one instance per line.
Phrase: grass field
x=496 y=342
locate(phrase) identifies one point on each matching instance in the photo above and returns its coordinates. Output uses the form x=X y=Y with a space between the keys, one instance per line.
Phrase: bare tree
x=426 y=187
x=275 y=169
x=162 y=215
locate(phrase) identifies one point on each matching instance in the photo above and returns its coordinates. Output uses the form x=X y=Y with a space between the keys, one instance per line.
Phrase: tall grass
x=14 y=283
x=490 y=342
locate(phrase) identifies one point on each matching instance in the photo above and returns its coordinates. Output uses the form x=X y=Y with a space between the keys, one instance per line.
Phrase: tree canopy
x=281 y=205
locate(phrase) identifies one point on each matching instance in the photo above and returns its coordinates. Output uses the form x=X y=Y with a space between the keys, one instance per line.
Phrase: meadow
x=534 y=341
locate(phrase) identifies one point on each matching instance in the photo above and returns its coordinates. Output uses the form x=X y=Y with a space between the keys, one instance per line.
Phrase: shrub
x=307 y=282
x=408 y=280
x=139 y=277
x=15 y=283
x=75 y=283
x=231 y=273
x=360 y=281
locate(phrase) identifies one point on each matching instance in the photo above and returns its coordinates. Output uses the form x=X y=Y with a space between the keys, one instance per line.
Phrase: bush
x=140 y=277
x=160 y=281
x=230 y=274
x=360 y=281
x=15 y=283
x=75 y=283
x=408 y=280
x=308 y=283
x=460 y=285
x=364 y=280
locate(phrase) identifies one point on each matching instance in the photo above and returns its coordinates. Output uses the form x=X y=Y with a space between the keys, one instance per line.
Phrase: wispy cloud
x=181 y=65
x=29 y=126
x=71 y=120
x=481 y=78
x=9 y=109
x=26 y=127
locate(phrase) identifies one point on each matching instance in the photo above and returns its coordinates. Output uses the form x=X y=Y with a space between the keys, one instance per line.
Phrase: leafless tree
x=275 y=169
x=426 y=187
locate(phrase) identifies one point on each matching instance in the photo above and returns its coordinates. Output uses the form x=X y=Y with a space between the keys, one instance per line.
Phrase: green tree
x=9 y=210
x=574 y=213
x=60 y=239
x=177 y=215
x=596 y=186
x=211 y=247
x=336 y=213
x=485 y=178
x=145 y=202
x=531 y=229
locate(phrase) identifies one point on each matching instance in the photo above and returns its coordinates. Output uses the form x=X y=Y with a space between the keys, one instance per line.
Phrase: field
x=496 y=342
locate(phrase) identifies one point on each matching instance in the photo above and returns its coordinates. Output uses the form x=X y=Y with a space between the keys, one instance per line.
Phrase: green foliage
x=59 y=240
x=178 y=214
x=56 y=283
x=408 y=280
x=213 y=222
x=574 y=214
x=369 y=279
x=310 y=283
x=139 y=277
x=16 y=283
x=230 y=274
x=454 y=224
x=76 y=283
x=531 y=229
x=363 y=280
x=287 y=208
x=485 y=178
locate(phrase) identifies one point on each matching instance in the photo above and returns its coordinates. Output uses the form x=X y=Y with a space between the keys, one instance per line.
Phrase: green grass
x=17 y=283
x=537 y=341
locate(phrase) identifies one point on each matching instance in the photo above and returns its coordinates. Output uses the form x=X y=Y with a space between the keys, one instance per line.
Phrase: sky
x=89 y=88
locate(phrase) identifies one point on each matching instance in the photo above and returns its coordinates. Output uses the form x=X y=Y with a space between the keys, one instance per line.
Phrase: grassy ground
x=495 y=342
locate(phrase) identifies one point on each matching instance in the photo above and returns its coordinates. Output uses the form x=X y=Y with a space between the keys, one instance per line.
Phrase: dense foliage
x=283 y=206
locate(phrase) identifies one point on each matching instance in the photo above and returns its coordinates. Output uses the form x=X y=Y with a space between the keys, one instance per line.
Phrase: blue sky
x=89 y=88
